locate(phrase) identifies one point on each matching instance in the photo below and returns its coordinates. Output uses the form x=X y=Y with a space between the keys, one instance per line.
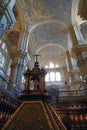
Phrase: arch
x=50 y=44
x=46 y=46
x=75 y=4
x=45 y=22
x=76 y=20
x=83 y=21
x=21 y=13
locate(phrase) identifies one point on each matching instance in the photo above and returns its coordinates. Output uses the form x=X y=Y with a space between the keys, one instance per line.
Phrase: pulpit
x=36 y=76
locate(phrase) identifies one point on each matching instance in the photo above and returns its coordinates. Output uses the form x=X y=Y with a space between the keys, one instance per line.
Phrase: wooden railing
x=73 y=114
x=8 y=100
x=56 y=122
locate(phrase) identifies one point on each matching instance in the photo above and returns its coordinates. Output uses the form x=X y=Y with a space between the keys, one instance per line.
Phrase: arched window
x=51 y=65
x=52 y=74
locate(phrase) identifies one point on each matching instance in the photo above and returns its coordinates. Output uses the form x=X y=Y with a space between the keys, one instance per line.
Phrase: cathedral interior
x=43 y=55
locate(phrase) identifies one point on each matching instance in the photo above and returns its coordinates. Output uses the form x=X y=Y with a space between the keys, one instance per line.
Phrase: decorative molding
x=12 y=38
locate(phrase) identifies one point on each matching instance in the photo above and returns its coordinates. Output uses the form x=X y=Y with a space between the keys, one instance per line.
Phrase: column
x=24 y=40
x=7 y=18
x=20 y=57
x=75 y=50
x=14 y=69
x=69 y=60
x=78 y=34
x=80 y=62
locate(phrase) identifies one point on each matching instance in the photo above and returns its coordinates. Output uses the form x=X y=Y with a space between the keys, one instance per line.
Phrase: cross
x=36 y=57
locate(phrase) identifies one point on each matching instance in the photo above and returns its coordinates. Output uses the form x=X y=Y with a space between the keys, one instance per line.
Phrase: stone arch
x=45 y=22
x=56 y=50
x=76 y=20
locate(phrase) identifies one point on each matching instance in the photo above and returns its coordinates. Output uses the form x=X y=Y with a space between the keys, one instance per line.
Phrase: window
x=47 y=77
x=58 y=76
x=2 y=60
x=52 y=76
x=56 y=66
x=51 y=65
x=46 y=66
x=3 y=54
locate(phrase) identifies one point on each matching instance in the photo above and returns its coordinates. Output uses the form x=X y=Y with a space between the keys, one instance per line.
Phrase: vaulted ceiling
x=48 y=22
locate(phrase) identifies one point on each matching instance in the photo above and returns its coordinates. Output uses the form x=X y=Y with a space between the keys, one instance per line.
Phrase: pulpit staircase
x=34 y=115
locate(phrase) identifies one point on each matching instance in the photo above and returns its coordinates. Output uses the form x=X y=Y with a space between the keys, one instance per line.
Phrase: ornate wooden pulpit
x=37 y=76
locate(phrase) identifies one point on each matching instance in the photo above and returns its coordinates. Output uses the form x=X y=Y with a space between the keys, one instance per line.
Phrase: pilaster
x=77 y=53
x=69 y=60
x=19 y=62
x=24 y=41
x=7 y=18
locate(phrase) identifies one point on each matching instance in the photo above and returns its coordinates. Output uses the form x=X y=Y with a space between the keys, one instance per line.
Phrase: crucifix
x=36 y=56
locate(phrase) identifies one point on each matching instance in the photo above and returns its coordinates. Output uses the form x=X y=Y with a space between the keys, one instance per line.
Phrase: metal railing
x=8 y=85
x=73 y=93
